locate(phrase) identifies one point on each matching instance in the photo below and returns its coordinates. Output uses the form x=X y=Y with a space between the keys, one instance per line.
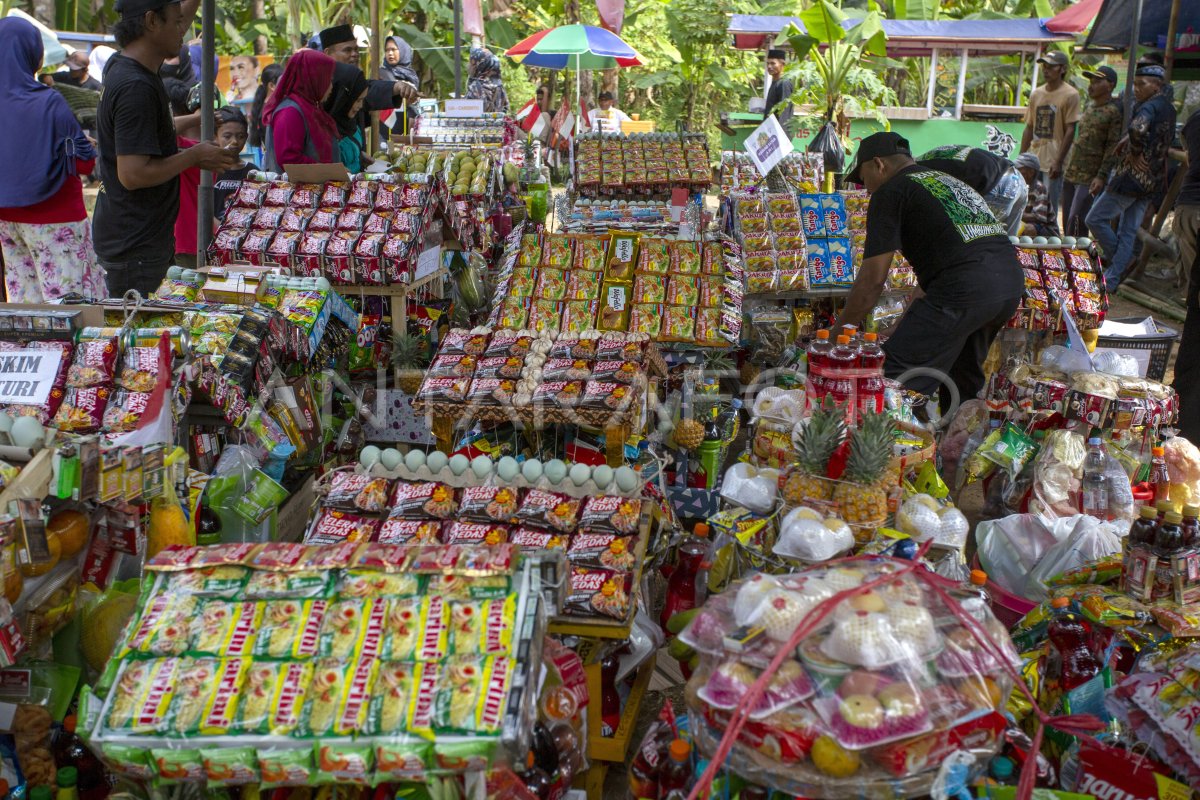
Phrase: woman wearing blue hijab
x=44 y=235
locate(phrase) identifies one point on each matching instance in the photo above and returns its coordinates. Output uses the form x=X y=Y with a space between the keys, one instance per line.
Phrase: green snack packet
x=132 y=762
x=405 y=759
x=464 y=756
x=1012 y=451
x=344 y=763
x=177 y=766
x=230 y=766
x=280 y=767
x=262 y=496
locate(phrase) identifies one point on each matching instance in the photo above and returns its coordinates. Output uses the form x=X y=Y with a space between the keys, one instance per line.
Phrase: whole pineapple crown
x=407 y=351
x=820 y=437
x=870 y=448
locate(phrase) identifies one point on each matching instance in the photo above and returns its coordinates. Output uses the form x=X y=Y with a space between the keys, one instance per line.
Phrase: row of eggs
x=556 y=471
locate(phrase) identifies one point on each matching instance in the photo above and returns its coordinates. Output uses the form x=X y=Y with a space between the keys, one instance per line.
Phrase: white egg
x=369 y=456
x=626 y=479
x=507 y=468
x=580 y=474
x=1083 y=242
x=414 y=459
x=436 y=461
x=532 y=470
x=602 y=475
x=6 y=423
x=459 y=464
x=27 y=432
x=556 y=470
x=481 y=466
x=390 y=458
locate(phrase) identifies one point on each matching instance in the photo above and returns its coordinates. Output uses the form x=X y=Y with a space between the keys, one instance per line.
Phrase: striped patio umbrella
x=575 y=47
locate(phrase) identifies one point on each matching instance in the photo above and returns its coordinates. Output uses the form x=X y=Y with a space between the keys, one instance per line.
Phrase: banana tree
x=844 y=59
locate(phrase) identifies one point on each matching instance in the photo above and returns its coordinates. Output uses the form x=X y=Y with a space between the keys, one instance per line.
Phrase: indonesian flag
x=612 y=14
x=585 y=116
x=562 y=125
x=529 y=117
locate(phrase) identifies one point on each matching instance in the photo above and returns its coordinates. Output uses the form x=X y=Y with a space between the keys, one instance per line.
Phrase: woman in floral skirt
x=44 y=234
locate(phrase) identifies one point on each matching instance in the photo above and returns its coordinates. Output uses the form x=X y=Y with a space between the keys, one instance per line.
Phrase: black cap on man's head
x=878 y=145
x=336 y=35
x=1106 y=72
x=1054 y=57
x=605 y=96
x=136 y=8
x=780 y=54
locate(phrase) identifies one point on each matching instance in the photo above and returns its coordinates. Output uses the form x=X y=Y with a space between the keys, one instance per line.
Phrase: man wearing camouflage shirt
x=1092 y=157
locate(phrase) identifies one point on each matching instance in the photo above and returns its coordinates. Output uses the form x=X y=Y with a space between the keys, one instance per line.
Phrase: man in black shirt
x=969 y=279
x=779 y=96
x=994 y=177
x=76 y=72
x=140 y=162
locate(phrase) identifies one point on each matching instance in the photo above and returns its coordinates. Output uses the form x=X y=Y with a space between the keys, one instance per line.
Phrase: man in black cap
x=968 y=276
x=76 y=72
x=778 y=96
x=140 y=161
x=340 y=44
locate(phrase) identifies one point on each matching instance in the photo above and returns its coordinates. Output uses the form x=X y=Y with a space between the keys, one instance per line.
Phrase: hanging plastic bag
x=829 y=144
x=1087 y=539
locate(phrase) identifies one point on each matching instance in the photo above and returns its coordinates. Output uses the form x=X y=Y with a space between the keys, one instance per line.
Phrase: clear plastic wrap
x=866 y=673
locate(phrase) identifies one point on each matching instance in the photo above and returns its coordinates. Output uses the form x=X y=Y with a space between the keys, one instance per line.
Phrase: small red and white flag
x=530 y=118
x=585 y=116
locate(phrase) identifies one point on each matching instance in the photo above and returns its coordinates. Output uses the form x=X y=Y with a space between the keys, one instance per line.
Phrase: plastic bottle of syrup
x=818 y=364
x=1191 y=526
x=1145 y=527
x=1169 y=539
x=842 y=359
x=677 y=772
x=1094 y=489
x=1160 y=476
x=870 y=387
x=1070 y=661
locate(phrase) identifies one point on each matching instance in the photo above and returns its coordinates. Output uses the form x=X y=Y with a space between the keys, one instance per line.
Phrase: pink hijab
x=306 y=77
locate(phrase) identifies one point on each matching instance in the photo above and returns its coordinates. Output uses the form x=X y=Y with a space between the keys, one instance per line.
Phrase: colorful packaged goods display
x=310 y=665
x=641 y=163
x=368 y=230
x=665 y=290
x=1062 y=277
x=805 y=172
x=773 y=245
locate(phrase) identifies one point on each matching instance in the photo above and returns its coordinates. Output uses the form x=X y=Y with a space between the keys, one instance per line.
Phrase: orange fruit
x=71 y=526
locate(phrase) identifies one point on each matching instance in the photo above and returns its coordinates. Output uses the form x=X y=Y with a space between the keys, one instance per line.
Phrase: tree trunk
x=43 y=11
x=259 y=9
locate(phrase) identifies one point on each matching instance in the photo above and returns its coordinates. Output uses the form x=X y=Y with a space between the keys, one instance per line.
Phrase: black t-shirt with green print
x=974 y=166
x=958 y=250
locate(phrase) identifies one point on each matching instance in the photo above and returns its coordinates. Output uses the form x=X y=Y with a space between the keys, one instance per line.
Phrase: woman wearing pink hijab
x=298 y=129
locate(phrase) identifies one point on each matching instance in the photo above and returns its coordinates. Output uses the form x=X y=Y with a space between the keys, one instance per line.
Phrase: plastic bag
x=1087 y=539
x=1009 y=548
x=829 y=144
x=805 y=534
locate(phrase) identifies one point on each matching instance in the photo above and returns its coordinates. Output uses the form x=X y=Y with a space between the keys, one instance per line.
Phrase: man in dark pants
x=969 y=277
x=1187 y=230
x=133 y=228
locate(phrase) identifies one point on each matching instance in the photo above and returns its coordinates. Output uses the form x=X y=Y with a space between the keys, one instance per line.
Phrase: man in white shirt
x=612 y=116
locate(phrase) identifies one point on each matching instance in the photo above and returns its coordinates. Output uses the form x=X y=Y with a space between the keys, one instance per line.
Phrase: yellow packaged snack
x=142 y=695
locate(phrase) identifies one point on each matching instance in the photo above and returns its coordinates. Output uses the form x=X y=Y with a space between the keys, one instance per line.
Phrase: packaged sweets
x=423 y=500
x=548 y=510
x=602 y=550
x=599 y=592
x=614 y=306
x=474 y=533
x=611 y=514
x=489 y=504
x=230 y=766
x=286 y=767
x=124 y=411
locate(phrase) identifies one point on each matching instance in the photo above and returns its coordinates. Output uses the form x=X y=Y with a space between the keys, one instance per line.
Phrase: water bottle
x=1094 y=488
x=818 y=355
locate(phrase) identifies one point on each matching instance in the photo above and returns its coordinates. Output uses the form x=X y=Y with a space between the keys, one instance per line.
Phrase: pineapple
x=861 y=497
x=688 y=434
x=406 y=358
x=814 y=446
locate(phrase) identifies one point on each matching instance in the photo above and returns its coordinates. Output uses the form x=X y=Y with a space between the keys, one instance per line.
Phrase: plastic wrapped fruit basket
x=853 y=679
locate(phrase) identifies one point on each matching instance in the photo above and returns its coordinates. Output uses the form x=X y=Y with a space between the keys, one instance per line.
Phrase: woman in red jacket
x=44 y=234
x=298 y=129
